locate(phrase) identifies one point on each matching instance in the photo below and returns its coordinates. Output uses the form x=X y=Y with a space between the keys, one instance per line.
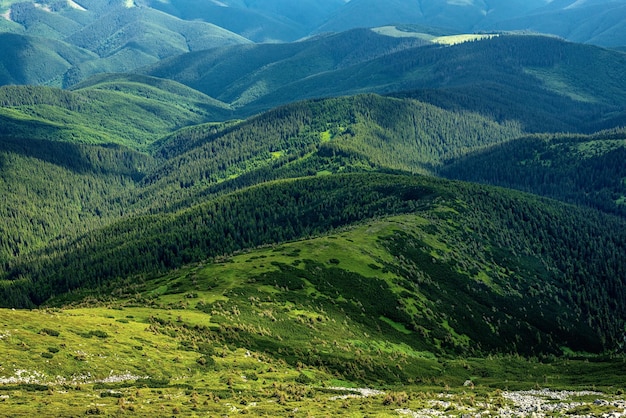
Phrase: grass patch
x=459 y=39
x=398 y=327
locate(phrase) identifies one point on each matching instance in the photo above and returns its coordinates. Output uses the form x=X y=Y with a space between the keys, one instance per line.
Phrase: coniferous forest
x=264 y=227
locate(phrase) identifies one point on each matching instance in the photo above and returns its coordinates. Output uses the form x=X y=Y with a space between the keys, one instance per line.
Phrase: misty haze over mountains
x=61 y=43
x=594 y=21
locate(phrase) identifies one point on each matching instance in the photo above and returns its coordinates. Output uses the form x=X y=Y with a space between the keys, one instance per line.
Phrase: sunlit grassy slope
x=271 y=330
x=125 y=110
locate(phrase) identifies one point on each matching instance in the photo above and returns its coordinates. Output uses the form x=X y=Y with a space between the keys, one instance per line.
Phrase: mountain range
x=88 y=37
x=218 y=207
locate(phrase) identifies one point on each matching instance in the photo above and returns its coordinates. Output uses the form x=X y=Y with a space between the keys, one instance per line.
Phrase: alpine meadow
x=325 y=208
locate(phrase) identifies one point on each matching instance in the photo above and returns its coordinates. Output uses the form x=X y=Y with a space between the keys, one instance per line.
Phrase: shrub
x=206 y=361
x=93 y=411
x=111 y=394
x=303 y=379
x=50 y=332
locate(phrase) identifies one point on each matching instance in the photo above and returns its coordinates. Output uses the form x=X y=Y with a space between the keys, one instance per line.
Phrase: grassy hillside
x=408 y=304
x=180 y=360
x=504 y=247
x=127 y=110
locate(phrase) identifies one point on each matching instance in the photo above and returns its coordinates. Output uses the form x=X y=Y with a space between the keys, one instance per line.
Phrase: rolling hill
x=289 y=229
x=274 y=329
x=29 y=60
x=526 y=245
x=582 y=169
x=126 y=36
x=135 y=37
x=226 y=191
x=123 y=109
x=62 y=43
x=566 y=87
x=60 y=129
x=242 y=74
x=75 y=152
x=260 y=20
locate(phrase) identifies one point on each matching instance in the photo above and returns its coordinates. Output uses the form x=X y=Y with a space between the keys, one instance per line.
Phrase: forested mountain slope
x=242 y=74
x=500 y=246
x=259 y=20
x=582 y=169
x=130 y=110
x=33 y=60
x=72 y=135
x=365 y=131
x=73 y=41
x=544 y=83
x=67 y=157
x=129 y=38
x=215 y=189
x=195 y=239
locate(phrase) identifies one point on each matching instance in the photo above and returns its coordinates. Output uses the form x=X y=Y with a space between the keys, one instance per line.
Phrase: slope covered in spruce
x=544 y=83
x=129 y=110
x=63 y=43
x=224 y=194
x=66 y=157
x=32 y=60
x=199 y=162
x=244 y=73
x=582 y=169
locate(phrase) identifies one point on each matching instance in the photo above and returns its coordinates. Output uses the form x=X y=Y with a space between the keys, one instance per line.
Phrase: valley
x=260 y=211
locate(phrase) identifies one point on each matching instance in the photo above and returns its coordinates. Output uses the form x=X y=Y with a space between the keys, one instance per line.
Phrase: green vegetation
x=543 y=83
x=176 y=264
x=102 y=181
x=514 y=241
x=459 y=39
x=66 y=158
x=125 y=110
x=63 y=43
x=267 y=331
x=582 y=169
